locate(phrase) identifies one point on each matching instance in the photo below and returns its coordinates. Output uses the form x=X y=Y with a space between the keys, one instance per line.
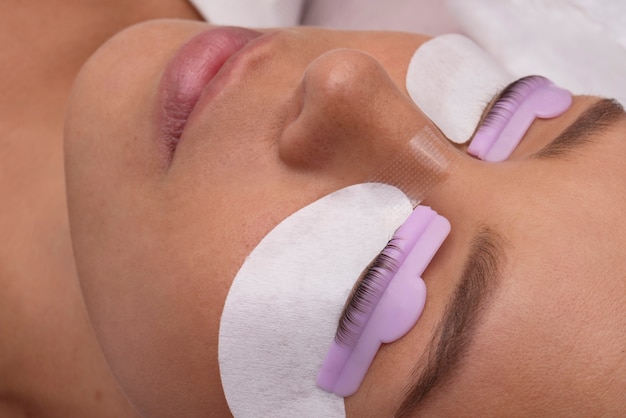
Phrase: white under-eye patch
x=283 y=306
x=452 y=80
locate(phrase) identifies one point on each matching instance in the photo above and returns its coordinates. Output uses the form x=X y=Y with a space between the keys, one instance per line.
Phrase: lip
x=188 y=73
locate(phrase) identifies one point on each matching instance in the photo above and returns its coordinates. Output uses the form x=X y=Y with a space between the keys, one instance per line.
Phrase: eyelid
x=397 y=300
x=512 y=113
x=374 y=282
x=511 y=87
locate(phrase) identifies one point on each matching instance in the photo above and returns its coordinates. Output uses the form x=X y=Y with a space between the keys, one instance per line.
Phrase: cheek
x=153 y=260
x=156 y=259
x=155 y=268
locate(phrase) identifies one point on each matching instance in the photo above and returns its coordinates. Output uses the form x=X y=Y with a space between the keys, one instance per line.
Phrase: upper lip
x=188 y=73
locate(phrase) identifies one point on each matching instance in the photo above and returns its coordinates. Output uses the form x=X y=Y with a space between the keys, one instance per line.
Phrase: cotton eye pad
x=285 y=302
x=452 y=80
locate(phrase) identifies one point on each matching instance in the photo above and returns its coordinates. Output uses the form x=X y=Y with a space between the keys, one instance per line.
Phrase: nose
x=355 y=124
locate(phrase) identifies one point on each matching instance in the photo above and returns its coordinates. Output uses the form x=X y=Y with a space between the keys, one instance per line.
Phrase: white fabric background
x=579 y=44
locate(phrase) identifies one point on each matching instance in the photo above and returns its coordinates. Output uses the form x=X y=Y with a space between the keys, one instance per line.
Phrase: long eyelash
x=367 y=294
x=510 y=99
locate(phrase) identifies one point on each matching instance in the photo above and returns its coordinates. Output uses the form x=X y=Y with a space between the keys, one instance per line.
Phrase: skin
x=50 y=362
x=306 y=113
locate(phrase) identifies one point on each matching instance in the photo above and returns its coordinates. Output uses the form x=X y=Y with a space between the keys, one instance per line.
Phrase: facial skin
x=157 y=241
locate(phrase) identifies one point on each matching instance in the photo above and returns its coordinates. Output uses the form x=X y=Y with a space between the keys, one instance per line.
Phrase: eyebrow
x=453 y=335
x=482 y=271
x=586 y=128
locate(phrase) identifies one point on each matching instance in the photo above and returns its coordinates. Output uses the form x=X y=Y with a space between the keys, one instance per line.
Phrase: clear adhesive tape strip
x=424 y=162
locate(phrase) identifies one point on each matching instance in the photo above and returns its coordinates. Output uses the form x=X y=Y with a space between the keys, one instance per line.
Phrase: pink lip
x=187 y=74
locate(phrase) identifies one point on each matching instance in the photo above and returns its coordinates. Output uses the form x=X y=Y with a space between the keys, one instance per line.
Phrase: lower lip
x=187 y=74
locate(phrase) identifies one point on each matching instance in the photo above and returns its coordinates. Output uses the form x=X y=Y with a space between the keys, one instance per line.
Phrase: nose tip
x=357 y=123
x=349 y=106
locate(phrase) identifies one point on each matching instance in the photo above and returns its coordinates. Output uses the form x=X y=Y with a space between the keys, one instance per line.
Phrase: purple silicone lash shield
x=416 y=242
x=496 y=142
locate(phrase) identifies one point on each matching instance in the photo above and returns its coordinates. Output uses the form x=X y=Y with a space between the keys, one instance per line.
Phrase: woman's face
x=167 y=198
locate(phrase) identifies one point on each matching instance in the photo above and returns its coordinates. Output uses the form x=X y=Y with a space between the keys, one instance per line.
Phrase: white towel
x=251 y=13
x=578 y=44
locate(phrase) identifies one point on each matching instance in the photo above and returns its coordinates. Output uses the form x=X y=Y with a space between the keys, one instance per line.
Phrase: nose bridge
x=420 y=164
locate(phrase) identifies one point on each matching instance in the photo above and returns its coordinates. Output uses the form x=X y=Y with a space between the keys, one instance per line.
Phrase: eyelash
x=366 y=294
x=509 y=101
